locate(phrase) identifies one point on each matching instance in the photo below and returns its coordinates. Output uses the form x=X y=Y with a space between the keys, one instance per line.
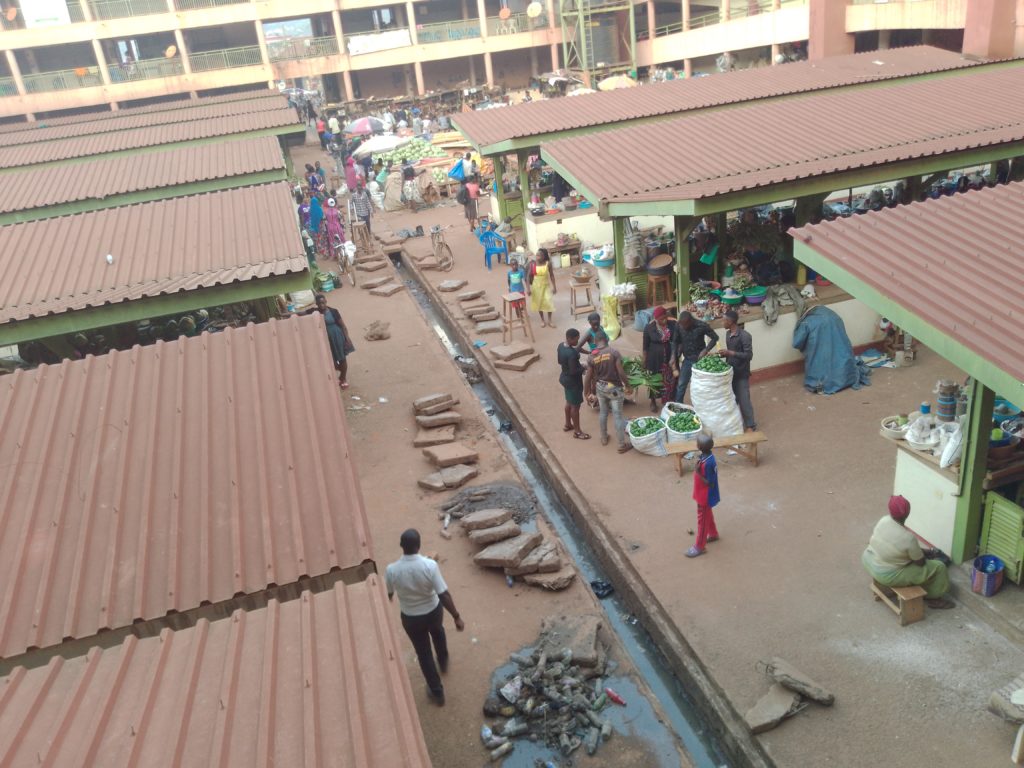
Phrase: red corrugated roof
x=167 y=133
x=317 y=681
x=123 y=174
x=491 y=126
x=955 y=262
x=236 y=112
x=164 y=106
x=757 y=145
x=162 y=477
x=59 y=265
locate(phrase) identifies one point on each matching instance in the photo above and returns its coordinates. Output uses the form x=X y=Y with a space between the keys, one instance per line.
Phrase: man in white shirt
x=334 y=125
x=423 y=596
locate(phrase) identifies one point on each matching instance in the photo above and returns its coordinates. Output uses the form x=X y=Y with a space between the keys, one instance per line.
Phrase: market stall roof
x=234 y=238
x=317 y=681
x=771 y=151
x=281 y=120
x=169 y=476
x=174 y=105
x=116 y=180
x=946 y=270
x=525 y=126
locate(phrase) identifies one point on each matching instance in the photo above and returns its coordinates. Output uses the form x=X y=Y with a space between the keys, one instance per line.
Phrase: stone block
x=450 y=454
x=389 y=289
x=458 y=475
x=428 y=437
x=508 y=553
x=439 y=419
x=551 y=581
x=532 y=562
x=578 y=633
x=375 y=282
x=785 y=673
x=432 y=399
x=433 y=482
x=485 y=536
x=470 y=295
x=474 y=308
x=485 y=518
x=432 y=409
x=447 y=286
x=512 y=351
x=518 y=364
x=430 y=262
x=484 y=317
x=772 y=708
x=489 y=326
x=371 y=266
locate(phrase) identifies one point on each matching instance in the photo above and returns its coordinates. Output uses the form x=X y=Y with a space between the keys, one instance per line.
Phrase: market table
x=572 y=247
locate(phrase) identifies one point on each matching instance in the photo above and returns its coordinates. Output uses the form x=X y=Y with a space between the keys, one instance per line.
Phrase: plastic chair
x=494 y=245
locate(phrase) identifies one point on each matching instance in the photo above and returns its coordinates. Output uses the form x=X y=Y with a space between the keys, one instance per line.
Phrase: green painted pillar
x=807 y=211
x=967 y=526
x=682 y=226
x=499 y=183
x=523 y=159
x=619 y=241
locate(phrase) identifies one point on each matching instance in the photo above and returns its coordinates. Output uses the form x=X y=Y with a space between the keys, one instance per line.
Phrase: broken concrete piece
x=489 y=326
x=375 y=282
x=550 y=563
x=477 y=312
x=428 y=437
x=447 y=286
x=577 y=633
x=519 y=364
x=512 y=351
x=389 y=289
x=439 y=419
x=551 y=581
x=362 y=258
x=450 y=454
x=485 y=317
x=427 y=400
x=458 y=475
x=473 y=308
x=508 y=553
x=371 y=266
x=430 y=262
x=531 y=563
x=433 y=482
x=440 y=407
x=470 y=295
x=785 y=673
x=485 y=518
x=484 y=536
x=774 y=707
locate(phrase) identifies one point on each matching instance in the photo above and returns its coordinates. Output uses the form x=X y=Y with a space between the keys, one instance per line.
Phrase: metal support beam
x=967 y=526
x=682 y=226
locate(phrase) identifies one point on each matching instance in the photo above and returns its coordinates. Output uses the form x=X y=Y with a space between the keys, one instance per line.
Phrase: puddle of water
x=677 y=703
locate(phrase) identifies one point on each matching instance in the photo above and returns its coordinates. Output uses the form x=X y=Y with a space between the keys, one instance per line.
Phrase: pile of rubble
x=437 y=422
x=786 y=697
x=478 y=310
x=556 y=694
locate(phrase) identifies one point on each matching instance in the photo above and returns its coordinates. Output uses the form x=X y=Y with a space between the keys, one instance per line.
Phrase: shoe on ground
x=694 y=552
x=436 y=698
x=625 y=447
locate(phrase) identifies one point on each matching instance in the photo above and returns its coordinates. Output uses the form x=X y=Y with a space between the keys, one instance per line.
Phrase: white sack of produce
x=647 y=434
x=690 y=420
x=712 y=397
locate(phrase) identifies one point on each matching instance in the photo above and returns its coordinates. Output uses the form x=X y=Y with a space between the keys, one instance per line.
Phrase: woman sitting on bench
x=894 y=557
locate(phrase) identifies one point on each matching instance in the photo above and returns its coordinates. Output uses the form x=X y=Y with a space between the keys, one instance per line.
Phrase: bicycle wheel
x=445 y=259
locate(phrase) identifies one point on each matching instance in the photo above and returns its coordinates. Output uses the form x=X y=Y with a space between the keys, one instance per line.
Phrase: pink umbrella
x=364 y=125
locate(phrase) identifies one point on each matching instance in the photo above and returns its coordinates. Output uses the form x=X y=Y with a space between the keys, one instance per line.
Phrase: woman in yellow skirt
x=542 y=287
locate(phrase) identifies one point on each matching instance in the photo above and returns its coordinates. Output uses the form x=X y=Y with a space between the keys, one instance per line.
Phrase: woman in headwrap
x=894 y=557
x=657 y=354
x=332 y=231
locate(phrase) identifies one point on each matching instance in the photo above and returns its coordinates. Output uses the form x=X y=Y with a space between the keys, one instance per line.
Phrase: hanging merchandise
x=632 y=246
x=714 y=401
x=610 y=317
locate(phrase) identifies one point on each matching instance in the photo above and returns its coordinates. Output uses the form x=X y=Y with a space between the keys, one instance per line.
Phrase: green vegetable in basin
x=646 y=425
x=712 y=364
x=684 y=421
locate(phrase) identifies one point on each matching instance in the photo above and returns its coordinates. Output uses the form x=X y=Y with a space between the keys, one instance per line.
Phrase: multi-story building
x=62 y=55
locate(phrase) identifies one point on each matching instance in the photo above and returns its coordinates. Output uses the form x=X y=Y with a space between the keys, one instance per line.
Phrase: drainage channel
x=683 y=716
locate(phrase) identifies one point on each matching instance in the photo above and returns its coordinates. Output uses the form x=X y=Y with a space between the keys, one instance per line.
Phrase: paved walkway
x=785 y=579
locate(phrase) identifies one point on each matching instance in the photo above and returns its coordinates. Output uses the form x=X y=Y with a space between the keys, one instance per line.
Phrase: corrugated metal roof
x=59 y=265
x=238 y=111
x=316 y=681
x=955 y=262
x=164 y=106
x=154 y=479
x=167 y=133
x=755 y=145
x=491 y=126
x=123 y=174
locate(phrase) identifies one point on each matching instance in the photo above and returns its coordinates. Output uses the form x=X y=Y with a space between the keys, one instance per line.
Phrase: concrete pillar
x=724 y=9
x=827 y=33
x=101 y=62
x=87 y=10
x=884 y=39
x=990 y=29
x=650 y=19
x=533 y=62
x=350 y=93
x=179 y=41
x=686 y=15
x=776 y=50
x=481 y=12
x=967 y=524
x=339 y=33
x=472 y=71
x=553 y=25
x=418 y=71
x=407 y=74
x=261 y=39
x=488 y=69
x=688 y=67
x=410 y=15
x=12 y=64
x=170 y=5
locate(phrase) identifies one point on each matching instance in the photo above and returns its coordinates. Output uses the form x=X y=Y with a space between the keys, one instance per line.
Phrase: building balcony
x=8 y=87
x=60 y=80
x=104 y=10
x=228 y=58
x=740 y=10
x=870 y=15
x=195 y=5
x=308 y=48
x=147 y=69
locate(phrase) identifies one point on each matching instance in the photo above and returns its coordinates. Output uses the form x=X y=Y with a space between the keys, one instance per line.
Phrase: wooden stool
x=664 y=283
x=511 y=319
x=581 y=302
x=361 y=237
x=906 y=602
x=621 y=309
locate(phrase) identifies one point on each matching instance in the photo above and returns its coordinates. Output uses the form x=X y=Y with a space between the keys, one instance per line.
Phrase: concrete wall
x=922 y=14
x=450 y=73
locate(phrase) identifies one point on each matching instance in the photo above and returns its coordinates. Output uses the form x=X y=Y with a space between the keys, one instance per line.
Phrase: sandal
x=940 y=603
x=344 y=385
x=581 y=435
x=604 y=440
x=625 y=447
x=694 y=552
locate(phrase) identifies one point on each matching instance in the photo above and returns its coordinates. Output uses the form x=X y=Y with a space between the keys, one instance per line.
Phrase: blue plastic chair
x=494 y=245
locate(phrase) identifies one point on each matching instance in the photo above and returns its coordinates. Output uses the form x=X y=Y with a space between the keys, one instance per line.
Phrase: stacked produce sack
x=713 y=399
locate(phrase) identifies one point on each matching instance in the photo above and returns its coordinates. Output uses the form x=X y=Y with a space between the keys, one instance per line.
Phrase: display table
x=572 y=247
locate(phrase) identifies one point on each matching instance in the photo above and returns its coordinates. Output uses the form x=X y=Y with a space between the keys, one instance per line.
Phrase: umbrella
x=581 y=92
x=364 y=125
x=616 y=81
x=378 y=145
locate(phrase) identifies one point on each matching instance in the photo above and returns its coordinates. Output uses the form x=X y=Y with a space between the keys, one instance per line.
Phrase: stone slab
x=450 y=454
x=430 y=262
x=485 y=317
x=389 y=289
x=432 y=399
x=999 y=702
x=518 y=364
x=490 y=326
x=578 y=633
x=431 y=410
x=550 y=563
x=785 y=673
x=772 y=708
x=551 y=581
x=469 y=295
x=428 y=437
x=447 y=286
x=508 y=553
x=531 y=563
x=439 y=419
x=421 y=256
x=512 y=351
x=458 y=475
x=367 y=256
x=433 y=482
x=375 y=282
x=472 y=307
x=485 y=518
x=485 y=536
x=371 y=266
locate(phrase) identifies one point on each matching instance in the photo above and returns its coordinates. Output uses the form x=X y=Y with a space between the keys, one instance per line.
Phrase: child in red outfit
x=705 y=493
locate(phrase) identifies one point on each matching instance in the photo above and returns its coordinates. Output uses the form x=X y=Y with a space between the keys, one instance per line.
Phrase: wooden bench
x=906 y=602
x=745 y=445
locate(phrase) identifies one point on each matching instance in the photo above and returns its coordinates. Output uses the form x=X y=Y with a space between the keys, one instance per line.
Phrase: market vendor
x=689 y=346
x=738 y=352
x=894 y=557
x=657 y=355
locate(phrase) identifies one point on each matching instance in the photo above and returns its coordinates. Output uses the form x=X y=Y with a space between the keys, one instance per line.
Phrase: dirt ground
x=785 y=579
x=499 y=619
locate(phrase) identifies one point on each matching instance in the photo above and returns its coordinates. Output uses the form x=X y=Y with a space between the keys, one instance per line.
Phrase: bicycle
x=346 y=258
x=442 y=251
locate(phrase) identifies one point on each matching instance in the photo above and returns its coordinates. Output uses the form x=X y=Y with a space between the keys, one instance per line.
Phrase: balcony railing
x=8 y=87
x=307 y=48
x=147 y=69
x=193 y=5
x=62 y=80
x=739 y=10
x=75 y=13
x=448 y=31
x=229 y=58
x=514 y=24
x=120 y=9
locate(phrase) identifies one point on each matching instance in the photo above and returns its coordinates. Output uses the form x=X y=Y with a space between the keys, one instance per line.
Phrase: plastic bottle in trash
x=486 y=734
x=510 y=581
x=615 y=697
